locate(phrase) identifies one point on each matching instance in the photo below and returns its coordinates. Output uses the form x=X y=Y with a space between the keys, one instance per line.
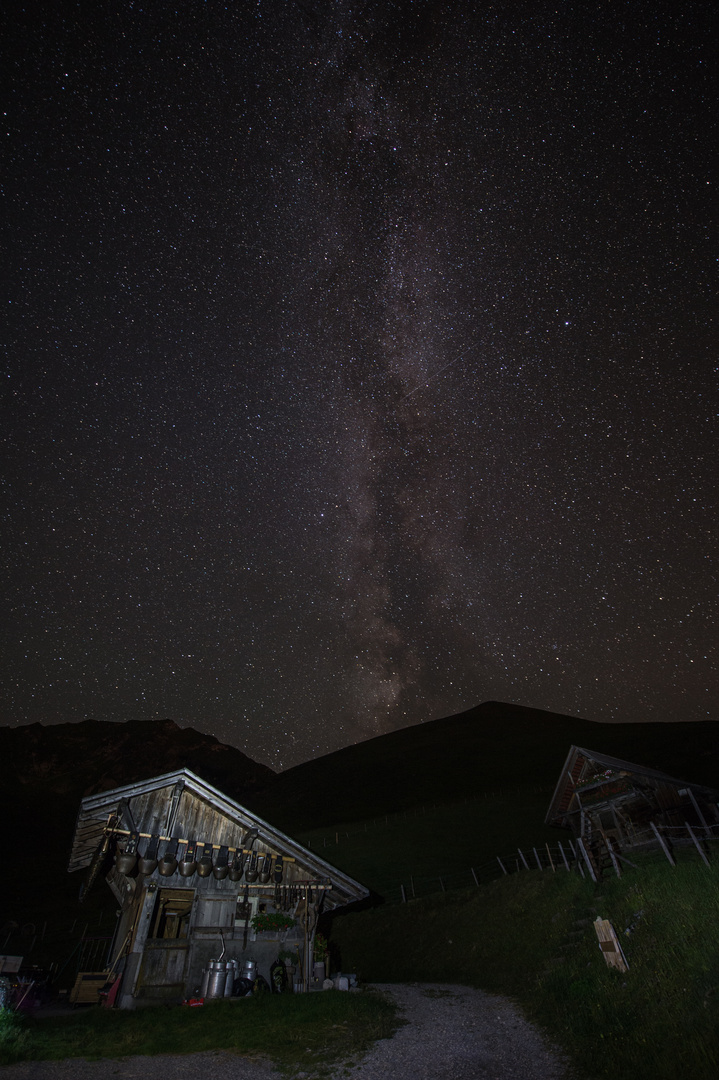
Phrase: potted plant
x=274 y=922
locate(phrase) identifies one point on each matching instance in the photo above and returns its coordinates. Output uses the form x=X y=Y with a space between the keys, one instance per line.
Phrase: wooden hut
x=613 y=804
x=191 y=869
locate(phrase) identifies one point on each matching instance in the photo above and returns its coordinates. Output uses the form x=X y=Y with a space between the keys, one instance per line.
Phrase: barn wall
x=169 y=968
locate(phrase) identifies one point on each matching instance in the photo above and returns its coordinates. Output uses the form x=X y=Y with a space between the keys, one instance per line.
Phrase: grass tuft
x=295 y=1031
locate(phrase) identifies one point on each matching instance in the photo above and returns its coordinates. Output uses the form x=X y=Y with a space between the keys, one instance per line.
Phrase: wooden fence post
x=476 y=879
x=526 y=867
x=442 y=884
x=549 y=856
x=502 y=865
x=539 y=864
x=696 y=842
x=696 y=806
x=411 y=882
x=590 y=868
x=563 y=855
x=664 y=847
x=404 y=895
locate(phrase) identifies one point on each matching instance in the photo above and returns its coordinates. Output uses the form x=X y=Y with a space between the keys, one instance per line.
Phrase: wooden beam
x=696 y=842
x=664 y=847
x=590 y=868
x=564 y=857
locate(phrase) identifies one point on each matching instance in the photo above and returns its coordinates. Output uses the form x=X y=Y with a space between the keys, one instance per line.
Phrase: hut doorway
x=171 y=915
x=167 y=949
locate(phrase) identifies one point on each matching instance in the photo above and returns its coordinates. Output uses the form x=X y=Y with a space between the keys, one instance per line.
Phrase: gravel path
x=451 y=1033
x=457 y=1033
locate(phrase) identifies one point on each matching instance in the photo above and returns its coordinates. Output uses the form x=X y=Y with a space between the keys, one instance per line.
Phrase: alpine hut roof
x=581 y=764
x=95 y=811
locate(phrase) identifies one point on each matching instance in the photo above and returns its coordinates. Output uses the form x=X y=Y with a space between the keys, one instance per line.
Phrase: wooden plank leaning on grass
x=609 y=944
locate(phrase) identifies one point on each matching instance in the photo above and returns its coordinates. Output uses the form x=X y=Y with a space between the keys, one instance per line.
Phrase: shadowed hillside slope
x=493 y=746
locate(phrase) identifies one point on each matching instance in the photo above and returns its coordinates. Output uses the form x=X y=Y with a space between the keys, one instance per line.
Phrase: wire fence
x=573 y=856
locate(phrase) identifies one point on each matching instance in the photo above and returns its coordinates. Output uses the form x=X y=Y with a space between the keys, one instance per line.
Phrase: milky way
x=361 y=365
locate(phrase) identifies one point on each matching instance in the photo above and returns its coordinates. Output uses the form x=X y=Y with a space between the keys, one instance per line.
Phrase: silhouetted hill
x=94 y=755
x=490 y=747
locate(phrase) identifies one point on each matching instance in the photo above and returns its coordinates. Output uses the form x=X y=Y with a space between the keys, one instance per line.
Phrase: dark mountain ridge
x=492 y=746
x=96 y=755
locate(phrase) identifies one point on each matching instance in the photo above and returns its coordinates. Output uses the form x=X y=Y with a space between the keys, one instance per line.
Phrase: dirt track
x=451 y=1033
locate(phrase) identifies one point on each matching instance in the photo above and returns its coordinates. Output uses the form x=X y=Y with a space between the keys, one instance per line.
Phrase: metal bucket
x=249 y=969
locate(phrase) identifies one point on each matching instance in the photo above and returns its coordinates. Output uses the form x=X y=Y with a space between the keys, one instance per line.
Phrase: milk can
x=216 y=979
x=232 y=973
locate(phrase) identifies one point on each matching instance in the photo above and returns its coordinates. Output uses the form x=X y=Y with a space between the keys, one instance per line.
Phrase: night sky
x=361 y=364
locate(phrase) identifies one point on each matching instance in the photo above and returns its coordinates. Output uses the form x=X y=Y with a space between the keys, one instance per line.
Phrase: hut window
x=171 y=917
x=243 y=910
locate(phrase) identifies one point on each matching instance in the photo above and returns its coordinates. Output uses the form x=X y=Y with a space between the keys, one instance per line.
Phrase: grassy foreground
x=303 y=1031
x=530 y=936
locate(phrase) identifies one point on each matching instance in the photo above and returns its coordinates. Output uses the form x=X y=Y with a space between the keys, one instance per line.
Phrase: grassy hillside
x=530 y=936
x=416 y=848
